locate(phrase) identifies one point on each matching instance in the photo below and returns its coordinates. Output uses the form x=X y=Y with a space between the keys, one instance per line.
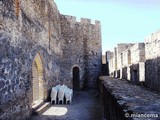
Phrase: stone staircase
x=41 y=107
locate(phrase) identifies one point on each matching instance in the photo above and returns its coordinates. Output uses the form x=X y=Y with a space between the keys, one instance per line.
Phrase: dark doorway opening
x=76 y=78
x=135 y=76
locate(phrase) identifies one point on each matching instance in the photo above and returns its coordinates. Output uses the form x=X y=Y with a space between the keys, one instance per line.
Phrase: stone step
x=37 y=104
x=41 y=108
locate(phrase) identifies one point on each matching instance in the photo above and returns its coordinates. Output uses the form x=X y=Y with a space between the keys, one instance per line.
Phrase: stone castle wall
x=120 y=54
x=138 y=63
x=126 y=57
x=25 y=32
x=138 y=53
x=82 y=48
x=35 y=27
x=129 y=62
x=152 y=64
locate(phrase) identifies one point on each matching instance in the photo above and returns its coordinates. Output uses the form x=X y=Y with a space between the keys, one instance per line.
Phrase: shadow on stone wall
x=152 y=74
x=105 y=69
x=134 y=73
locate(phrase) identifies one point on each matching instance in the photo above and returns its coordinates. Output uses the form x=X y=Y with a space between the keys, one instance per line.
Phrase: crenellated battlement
x=82 y=20
x=153 y=37
x=123 y=46
x=85 y=21
x=71 y=18
x=89 y=21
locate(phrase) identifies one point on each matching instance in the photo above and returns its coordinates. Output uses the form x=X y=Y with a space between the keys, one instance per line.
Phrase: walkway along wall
x=28 y=28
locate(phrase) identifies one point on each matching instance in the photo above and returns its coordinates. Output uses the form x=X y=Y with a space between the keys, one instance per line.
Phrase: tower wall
x=81 y=47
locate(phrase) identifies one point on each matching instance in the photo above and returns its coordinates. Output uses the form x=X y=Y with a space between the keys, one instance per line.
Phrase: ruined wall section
x=123 y=46
x=152 y=65
x=120 y=49
x=126 y=57
x=138 y=53
x=143 y=65
x=26 y=28
x=130 y=62
x=81 y=48
x=137 y=67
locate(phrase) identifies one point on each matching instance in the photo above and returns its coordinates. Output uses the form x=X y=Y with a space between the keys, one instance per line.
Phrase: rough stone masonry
x=139 y=62
x=38 y=45
x=121 y=100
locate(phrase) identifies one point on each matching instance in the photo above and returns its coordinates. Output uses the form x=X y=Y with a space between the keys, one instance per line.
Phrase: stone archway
x=76 y=78
x=37 y=81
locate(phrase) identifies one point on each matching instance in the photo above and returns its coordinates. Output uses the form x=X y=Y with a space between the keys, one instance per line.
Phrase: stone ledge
x=129 y=98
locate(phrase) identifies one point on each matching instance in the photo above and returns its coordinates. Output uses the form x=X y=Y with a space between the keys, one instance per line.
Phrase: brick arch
x=39 y=61
x=37 y=81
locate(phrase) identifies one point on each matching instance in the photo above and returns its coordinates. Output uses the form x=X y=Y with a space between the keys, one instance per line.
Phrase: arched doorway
x=76 y=81
x=37 y=81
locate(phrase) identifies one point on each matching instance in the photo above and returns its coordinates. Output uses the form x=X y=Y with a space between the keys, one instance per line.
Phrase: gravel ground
x=85 y=106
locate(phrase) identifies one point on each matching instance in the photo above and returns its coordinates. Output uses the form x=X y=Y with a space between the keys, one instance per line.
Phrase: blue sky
x=122 y=21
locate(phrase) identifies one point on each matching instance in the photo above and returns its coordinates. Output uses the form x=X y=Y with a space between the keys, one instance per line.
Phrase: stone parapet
x=121 y=100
